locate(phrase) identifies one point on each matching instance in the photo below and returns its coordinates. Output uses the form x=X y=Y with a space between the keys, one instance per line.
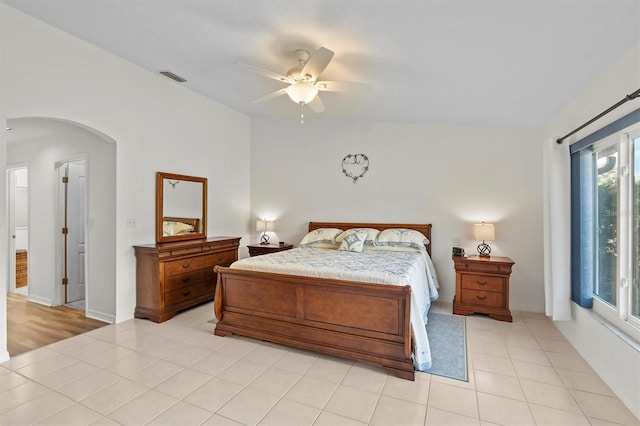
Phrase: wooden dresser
x=174 y=276
x=21 y=268
x=482 y=285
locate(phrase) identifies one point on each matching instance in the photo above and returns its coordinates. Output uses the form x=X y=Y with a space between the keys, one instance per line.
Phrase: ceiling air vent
x=173 y=76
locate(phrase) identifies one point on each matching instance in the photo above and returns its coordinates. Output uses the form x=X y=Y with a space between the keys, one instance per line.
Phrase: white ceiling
x=488 y=62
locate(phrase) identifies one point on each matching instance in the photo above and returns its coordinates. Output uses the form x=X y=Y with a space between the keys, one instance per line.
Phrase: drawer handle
x=186 y=293
x=186 y=265
x=220 y=258
x=481 y=282
x=185 y=280
x=481 y=297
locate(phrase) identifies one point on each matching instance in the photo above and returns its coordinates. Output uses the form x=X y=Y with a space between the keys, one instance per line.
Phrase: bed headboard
x=425 y=228
x=192 y=221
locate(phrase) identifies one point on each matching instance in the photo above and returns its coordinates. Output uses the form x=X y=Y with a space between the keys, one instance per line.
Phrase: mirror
x=181 y=207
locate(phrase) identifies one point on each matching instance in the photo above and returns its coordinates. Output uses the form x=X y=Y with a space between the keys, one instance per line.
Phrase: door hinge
x=65 y=281
x=65 y=179
x=65 y=231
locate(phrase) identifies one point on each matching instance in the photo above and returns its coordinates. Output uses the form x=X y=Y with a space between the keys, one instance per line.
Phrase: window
x=605 y=204
x=606 y=224
x=635 y=257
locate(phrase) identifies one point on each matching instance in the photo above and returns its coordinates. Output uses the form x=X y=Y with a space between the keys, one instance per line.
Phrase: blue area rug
x=448 y=345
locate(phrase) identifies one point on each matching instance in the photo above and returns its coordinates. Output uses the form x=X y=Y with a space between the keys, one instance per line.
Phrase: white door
x=76 y=190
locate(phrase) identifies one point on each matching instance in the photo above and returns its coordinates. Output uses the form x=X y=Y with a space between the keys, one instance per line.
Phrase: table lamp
x=264 y=226
x=484 y=232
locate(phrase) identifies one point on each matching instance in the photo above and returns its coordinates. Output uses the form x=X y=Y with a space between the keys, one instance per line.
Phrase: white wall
x=613 y=359
x=450 y=176
x=157 y=124
x=4 y=266
x=55 y=142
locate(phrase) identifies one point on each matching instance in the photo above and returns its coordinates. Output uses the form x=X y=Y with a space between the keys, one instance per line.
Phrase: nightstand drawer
x=490 y=267
x=482 y=298
x=189 y=264
x=482 y=282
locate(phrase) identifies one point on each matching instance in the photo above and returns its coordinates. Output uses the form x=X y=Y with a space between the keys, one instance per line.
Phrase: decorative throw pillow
x=402 y=237
x=354 y=241
x=321 y=237
x=371 y=234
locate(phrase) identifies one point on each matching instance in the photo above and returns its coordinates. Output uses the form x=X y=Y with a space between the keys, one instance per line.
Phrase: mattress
x=400 y=268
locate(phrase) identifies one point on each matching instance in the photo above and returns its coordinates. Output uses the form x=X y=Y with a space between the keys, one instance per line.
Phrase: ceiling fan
x=303 y=85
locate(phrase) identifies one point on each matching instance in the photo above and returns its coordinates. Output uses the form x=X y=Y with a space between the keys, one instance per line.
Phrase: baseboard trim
x=100 y=316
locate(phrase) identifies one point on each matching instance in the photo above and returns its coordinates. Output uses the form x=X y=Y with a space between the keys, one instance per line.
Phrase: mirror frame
x=160 y=177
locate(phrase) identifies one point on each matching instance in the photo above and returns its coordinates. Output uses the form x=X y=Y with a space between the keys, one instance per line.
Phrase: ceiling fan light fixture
x=302 y=92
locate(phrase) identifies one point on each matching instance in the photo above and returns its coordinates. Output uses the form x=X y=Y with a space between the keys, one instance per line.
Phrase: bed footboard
x=361 y=321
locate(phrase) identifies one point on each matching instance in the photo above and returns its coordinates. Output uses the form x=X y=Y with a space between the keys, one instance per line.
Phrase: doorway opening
x=46 y=146
x=18 y=212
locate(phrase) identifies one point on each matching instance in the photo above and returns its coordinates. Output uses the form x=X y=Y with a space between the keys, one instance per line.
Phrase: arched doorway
x=44 y=144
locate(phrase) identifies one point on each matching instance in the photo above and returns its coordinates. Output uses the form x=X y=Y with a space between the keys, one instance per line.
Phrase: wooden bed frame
x=356 y=320
x=191 y=221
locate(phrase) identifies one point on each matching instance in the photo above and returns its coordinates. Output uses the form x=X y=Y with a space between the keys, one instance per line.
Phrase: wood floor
x=31 y=325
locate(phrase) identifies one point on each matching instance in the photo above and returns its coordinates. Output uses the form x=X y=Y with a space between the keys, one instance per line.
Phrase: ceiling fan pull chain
x=301 y=112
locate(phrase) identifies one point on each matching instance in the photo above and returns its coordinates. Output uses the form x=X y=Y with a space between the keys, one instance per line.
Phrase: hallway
x=31 y=325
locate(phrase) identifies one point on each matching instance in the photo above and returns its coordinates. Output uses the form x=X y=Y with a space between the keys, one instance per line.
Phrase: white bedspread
x=384 y=267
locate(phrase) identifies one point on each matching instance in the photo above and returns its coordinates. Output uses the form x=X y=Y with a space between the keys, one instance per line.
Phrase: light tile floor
x=179 y=373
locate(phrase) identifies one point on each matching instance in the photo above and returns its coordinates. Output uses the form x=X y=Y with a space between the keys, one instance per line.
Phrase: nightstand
x=259 y=249
x=482 y=286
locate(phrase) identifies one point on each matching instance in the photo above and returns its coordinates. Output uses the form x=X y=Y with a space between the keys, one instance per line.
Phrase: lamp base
x=264 y=239
x=484 y=250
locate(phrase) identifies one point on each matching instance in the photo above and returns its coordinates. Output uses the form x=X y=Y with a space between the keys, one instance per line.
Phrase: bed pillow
x=402 y=237
x=371 y=234
x=321 y=237
x=354 y=241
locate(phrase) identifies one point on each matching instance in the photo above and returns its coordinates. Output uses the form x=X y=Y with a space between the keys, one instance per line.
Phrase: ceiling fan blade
x=316 y=104
x=266 y=73
x=317 y=63
x=342 y=86
x=271 y=95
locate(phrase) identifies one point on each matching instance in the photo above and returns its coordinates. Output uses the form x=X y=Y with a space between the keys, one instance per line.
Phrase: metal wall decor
x=355 y=166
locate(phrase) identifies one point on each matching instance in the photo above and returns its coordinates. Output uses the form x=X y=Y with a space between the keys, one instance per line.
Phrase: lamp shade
x=484 y=231
x=263 y=225
x=301 y=92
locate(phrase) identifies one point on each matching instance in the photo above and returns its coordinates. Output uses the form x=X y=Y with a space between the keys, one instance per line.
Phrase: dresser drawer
x=482 y=298
x=183 y=280
x=213 y=245
x=223 y=258
x=181 y=266
x=186 y=294
x=180 y=251
x=482 y=282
